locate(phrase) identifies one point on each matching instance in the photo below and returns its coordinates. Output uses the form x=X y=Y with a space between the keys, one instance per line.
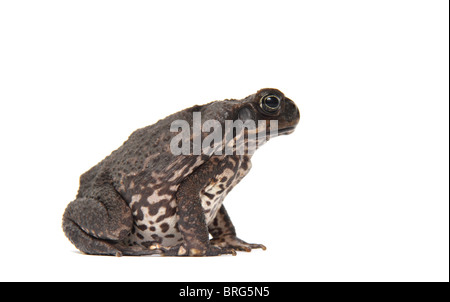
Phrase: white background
x=358 y=193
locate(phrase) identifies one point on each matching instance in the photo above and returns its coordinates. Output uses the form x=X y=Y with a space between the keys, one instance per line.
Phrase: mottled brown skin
x=143 y=200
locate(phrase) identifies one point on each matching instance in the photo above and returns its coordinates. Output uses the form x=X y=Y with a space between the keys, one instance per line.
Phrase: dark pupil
x=272 y=102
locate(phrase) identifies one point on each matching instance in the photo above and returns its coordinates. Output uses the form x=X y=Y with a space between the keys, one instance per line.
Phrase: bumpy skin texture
x=144 y=200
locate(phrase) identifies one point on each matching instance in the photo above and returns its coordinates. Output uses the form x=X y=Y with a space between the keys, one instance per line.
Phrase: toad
x=162 y=191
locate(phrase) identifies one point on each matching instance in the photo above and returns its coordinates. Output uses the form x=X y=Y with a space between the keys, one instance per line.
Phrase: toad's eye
x=270 y=103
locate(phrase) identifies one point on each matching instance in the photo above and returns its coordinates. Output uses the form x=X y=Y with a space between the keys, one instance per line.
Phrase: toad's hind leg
x=94 y=228
x=99 y=220
x=83 y=224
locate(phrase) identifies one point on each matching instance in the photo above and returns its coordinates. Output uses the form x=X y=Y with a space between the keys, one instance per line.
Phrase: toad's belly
x=162 y=227
x=157 y=222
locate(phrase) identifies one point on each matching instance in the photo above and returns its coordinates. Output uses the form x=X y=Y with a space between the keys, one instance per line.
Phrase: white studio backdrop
x=358 y=193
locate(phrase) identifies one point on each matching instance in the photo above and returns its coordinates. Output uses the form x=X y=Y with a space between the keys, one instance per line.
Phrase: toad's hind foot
x=234 y=242
x=135 y=250
x=181 y=250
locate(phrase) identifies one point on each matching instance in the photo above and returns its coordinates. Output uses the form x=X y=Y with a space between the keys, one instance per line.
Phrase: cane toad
x=148 y=198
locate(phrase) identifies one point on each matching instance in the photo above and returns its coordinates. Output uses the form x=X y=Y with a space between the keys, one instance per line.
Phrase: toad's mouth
x=270 y=133
x=284 y=131
x=287 y=130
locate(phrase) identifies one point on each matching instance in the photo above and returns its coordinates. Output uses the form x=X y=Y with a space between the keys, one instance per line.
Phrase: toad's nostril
x=292 y=111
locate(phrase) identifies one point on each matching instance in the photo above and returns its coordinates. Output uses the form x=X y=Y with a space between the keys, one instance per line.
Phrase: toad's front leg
x=224 y=234
x=191 y=218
